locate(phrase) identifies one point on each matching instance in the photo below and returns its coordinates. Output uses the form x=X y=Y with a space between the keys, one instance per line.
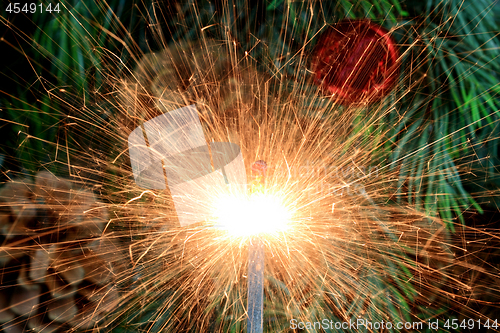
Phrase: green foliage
x=450 y=107
x=77 y=41
x=34 y=126
x=67 y=57
x=453 y=112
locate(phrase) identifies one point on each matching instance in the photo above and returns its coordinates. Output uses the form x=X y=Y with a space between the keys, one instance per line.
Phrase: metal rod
x=255 y=301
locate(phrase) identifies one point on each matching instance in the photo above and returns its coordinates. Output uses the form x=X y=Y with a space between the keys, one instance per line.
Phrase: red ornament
x=356 y=62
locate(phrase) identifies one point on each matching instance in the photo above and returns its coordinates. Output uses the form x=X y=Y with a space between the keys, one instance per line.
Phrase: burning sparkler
x=169 y=151
x=363 y=231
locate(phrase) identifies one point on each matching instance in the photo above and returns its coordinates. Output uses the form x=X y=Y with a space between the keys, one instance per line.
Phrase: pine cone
x=57 y=264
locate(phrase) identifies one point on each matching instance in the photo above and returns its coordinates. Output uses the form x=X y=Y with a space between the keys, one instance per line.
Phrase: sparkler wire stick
x=255 y=302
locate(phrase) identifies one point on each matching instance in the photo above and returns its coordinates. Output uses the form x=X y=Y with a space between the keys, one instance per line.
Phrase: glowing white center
x=256 y=214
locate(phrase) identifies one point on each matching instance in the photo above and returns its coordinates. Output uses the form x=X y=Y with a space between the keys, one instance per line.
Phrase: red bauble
x=356 y=62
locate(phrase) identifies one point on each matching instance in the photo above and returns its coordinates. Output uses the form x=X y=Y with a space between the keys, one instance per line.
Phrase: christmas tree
x=395 y=101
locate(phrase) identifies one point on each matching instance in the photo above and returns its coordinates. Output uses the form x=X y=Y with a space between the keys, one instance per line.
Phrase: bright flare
x=246 y=216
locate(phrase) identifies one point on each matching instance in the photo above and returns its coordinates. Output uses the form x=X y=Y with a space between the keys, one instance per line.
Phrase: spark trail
x=367 y=236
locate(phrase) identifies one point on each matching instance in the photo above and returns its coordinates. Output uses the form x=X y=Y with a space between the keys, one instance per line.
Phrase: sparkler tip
x=259 y=167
